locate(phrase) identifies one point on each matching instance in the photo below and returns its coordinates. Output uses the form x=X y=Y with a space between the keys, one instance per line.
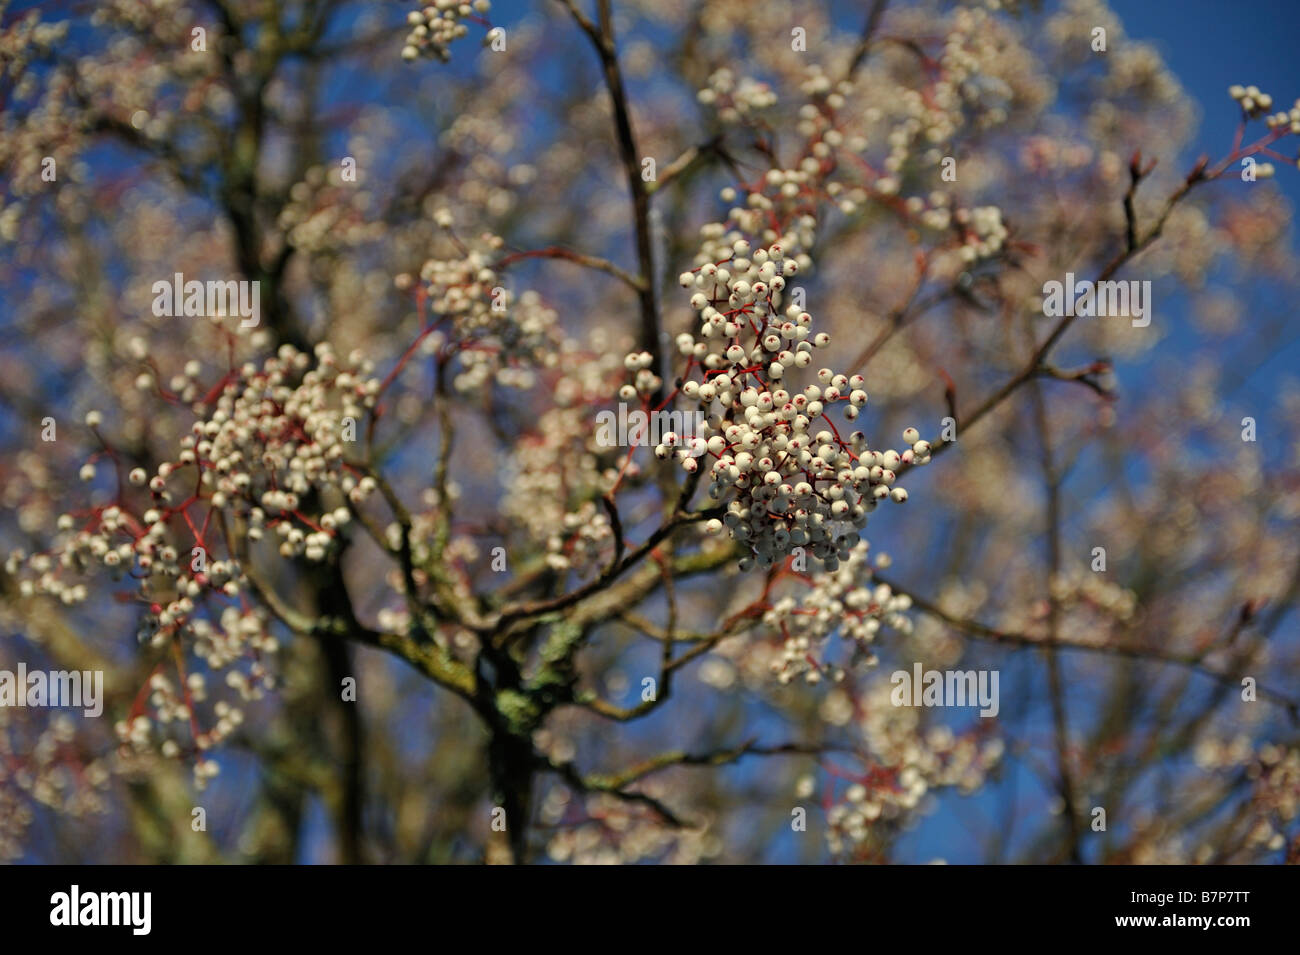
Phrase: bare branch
x=602 y=39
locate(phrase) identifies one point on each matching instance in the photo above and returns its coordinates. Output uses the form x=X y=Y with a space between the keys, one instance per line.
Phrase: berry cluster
x=601 y=829
x=734 y=101
x=325 y=213
x=434 y=27
x=270 y=446
x=557 y=473
x=497 y=335
x=1273 y=771
x=1286 y=119
x=786 y=485
x=554 y=480
x=906 y=762
x=1253 y=103
x=842 y=601
x=1078 y=585
x=46 y=762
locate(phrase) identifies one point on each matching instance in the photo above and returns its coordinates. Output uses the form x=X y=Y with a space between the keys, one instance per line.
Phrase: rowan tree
x=367 y=578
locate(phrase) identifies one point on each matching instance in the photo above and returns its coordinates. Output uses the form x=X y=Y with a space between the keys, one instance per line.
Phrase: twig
x=1011 y=638
x=1055 y=684
x=868 y=34
x=1031 y=368
x=579 y=258
x=602 y=38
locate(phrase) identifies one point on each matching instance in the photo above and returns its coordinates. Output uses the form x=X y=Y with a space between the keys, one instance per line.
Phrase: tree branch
x=602 y=39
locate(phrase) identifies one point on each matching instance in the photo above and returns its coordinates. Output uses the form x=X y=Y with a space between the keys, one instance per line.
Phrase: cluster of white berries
x=557 y=473
x=553 y=480
x=1274 y=774
x=586 y=532
x=46 y=763
x=916 y=129
x=1253 y=103
x=283 y=431
x=1286 y=119
x=497 y=336
x=844 y=601
x=984 y=232
x=644 y=380
x=26 y=40
x=787 y=485
x=326 y=213
x=141 y=734
x=1078 y=585
x=932 y=211
x=735 y=101
x=139 y=741
x=274 y=437
x=973 y=68
x=906 y=761
x=435 y=26
x=1276 y=795
x=613 y=831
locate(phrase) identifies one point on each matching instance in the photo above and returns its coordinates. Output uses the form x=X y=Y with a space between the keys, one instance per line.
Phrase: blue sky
x=1211 y=44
